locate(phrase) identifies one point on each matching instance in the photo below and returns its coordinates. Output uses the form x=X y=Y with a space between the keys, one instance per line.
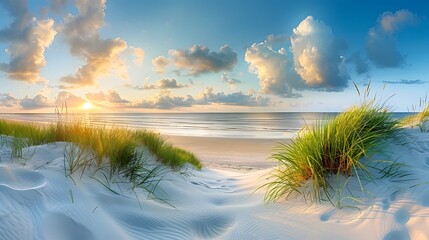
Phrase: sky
x=211 y=56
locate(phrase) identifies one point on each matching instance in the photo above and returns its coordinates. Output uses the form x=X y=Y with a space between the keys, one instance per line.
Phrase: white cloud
x=381 y=45
x=101 y=99
x=274 y=69
x=317 y=56
x=81 y=32
x=159 y=64
x=169 y=83
x=28 y=38
x=314 y=61
x=39 y=101
x=234 y=99
x=7 y=100
x=113 y=97
x=164 y=100
x=199 y=59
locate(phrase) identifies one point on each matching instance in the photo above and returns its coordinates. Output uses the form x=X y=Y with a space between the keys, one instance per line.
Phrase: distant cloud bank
x=407 y=82
x=164 y=99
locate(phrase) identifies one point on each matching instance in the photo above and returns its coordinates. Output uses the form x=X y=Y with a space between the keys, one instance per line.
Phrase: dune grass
x=119 y=150
x=332 y=147
x=420 y=119
x=167 y=153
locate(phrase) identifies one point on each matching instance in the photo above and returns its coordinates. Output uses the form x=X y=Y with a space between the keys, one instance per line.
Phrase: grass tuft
x=167 y=153
x=330 y=148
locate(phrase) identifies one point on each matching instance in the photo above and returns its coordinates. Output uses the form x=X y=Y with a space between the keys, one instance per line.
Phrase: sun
x=87 y=106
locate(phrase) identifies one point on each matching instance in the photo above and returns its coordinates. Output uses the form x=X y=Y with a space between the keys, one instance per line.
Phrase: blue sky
x=187 y=56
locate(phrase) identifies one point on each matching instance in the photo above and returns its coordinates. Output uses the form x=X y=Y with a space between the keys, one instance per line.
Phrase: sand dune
x=39 y=202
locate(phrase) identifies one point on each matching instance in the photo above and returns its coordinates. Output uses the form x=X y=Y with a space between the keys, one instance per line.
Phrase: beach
x=240 y=154
x=219 y=202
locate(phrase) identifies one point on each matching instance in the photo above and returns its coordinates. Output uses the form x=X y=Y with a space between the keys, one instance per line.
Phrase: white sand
x=230 y=153
x=38 y=202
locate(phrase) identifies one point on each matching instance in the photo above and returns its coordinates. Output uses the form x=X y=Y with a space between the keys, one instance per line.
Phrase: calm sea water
x=230 y=125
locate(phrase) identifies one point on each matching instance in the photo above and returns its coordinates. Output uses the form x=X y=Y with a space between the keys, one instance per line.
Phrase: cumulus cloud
x=28 y=38
x=100 y=98
x=39 y=101
x=235 y=99
x=314 y=61
x=68 y=98
x=81 y=32
x=199 y=59
x=169 y=83
x=407 y=82
x=138 y=55
x=7 y=100
x=113 y=97
x=381 y=45
x=166 y=83
x=317 y=56
x=159 y=63
x=275 y=69
x=229 y=80
x=165 y=100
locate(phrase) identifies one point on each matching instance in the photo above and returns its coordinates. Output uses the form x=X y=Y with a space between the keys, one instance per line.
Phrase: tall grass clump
x=95 y=145
x=330 y=148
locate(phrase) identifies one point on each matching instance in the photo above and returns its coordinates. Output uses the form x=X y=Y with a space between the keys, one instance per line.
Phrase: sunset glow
x=87 y=106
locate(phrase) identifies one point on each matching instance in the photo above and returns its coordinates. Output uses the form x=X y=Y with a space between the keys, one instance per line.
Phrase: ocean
x=219 y=125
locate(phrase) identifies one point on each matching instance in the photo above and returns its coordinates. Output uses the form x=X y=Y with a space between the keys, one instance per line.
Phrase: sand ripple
x=15 y=225
x=20 y=179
